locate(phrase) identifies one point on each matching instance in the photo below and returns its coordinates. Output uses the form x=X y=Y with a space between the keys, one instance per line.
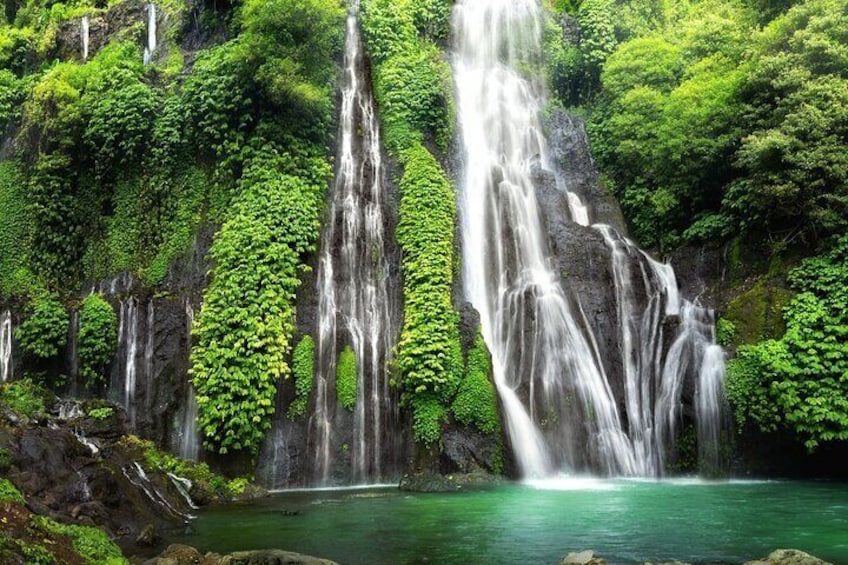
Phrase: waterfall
x=189 y=446
x=149 y=350
x=6 y=362
x=128 y=341
x=150 y=50
x=537 y=346
x=355 y=305
x=710 y=409
x=73 y=354
x=84 y=36
x=562 y=410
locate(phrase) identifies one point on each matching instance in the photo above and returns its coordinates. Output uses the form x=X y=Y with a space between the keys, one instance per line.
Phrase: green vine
x=44 y=333
x=303 y=369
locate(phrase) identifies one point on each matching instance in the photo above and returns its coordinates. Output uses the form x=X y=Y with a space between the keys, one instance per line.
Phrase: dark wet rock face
x=61 y=477
x=572 y=159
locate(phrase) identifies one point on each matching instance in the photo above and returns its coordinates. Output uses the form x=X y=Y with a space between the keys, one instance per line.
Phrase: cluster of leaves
x=244 y=331
x=429 y=354
x=45 y=331
x=411 y=86
x=8 y=493
x=411 y=80
x=101 y=413
x=346 y=378
x=303 y=370
x=476 y=402
x=15 y=274
x=92 y=544
x=709 y=125
x=24 y=397
x=800 y=381
x=98 y=339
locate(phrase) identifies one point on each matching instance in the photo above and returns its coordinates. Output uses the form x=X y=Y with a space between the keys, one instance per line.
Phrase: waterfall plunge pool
x=623 y=521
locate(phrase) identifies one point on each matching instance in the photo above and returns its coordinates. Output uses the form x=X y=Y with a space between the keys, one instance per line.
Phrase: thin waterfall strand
x=189 y=447
x=152 y=44
x=84 y=36
x=6 y=363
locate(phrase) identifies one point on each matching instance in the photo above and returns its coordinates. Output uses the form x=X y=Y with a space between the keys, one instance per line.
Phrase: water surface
x=623 y=521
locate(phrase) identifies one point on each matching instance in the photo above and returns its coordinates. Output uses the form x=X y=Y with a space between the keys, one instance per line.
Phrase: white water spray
x=538 y=349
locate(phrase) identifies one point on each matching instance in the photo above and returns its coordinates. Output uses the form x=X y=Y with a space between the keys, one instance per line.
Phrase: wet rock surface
x=61 y=477
x=185 y=555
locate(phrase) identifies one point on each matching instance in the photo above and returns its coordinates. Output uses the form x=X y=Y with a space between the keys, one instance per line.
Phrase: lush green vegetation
x=245 y=327
x=91 y=544
x=346 y=378
x=8 y=493
x=476 y=404
x=303 y=370
x=24 y=397
x=411 y=84
x=798 y=382
x=98 y=339
x=716 y=117
x=44 y=333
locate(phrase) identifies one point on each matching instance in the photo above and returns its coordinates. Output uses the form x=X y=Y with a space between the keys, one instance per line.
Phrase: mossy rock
x=757 y=315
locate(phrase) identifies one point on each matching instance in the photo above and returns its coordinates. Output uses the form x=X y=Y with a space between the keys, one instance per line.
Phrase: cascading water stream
x=84 y=36
x=150 y=49
x=128 y=338
x=189 y=440
x=73 y=354
x=561 y=409
x=356 y=307
x=6 y=363
x=537 y=347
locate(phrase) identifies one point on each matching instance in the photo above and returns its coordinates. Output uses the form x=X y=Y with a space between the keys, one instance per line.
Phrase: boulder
x=788 y=557
x=273 y=557
x=586 y=557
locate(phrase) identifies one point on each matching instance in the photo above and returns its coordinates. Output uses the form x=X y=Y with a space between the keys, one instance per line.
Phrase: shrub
x=303 y=369
x=24 y=397
x=247 y=320
x=44 y=333
x=98 y=339
x=476 y=403
x=8 y=493
x=346 y=378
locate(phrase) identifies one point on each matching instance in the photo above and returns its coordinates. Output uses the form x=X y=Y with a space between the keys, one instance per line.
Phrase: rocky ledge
x=778 y=557
x=186 y=555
